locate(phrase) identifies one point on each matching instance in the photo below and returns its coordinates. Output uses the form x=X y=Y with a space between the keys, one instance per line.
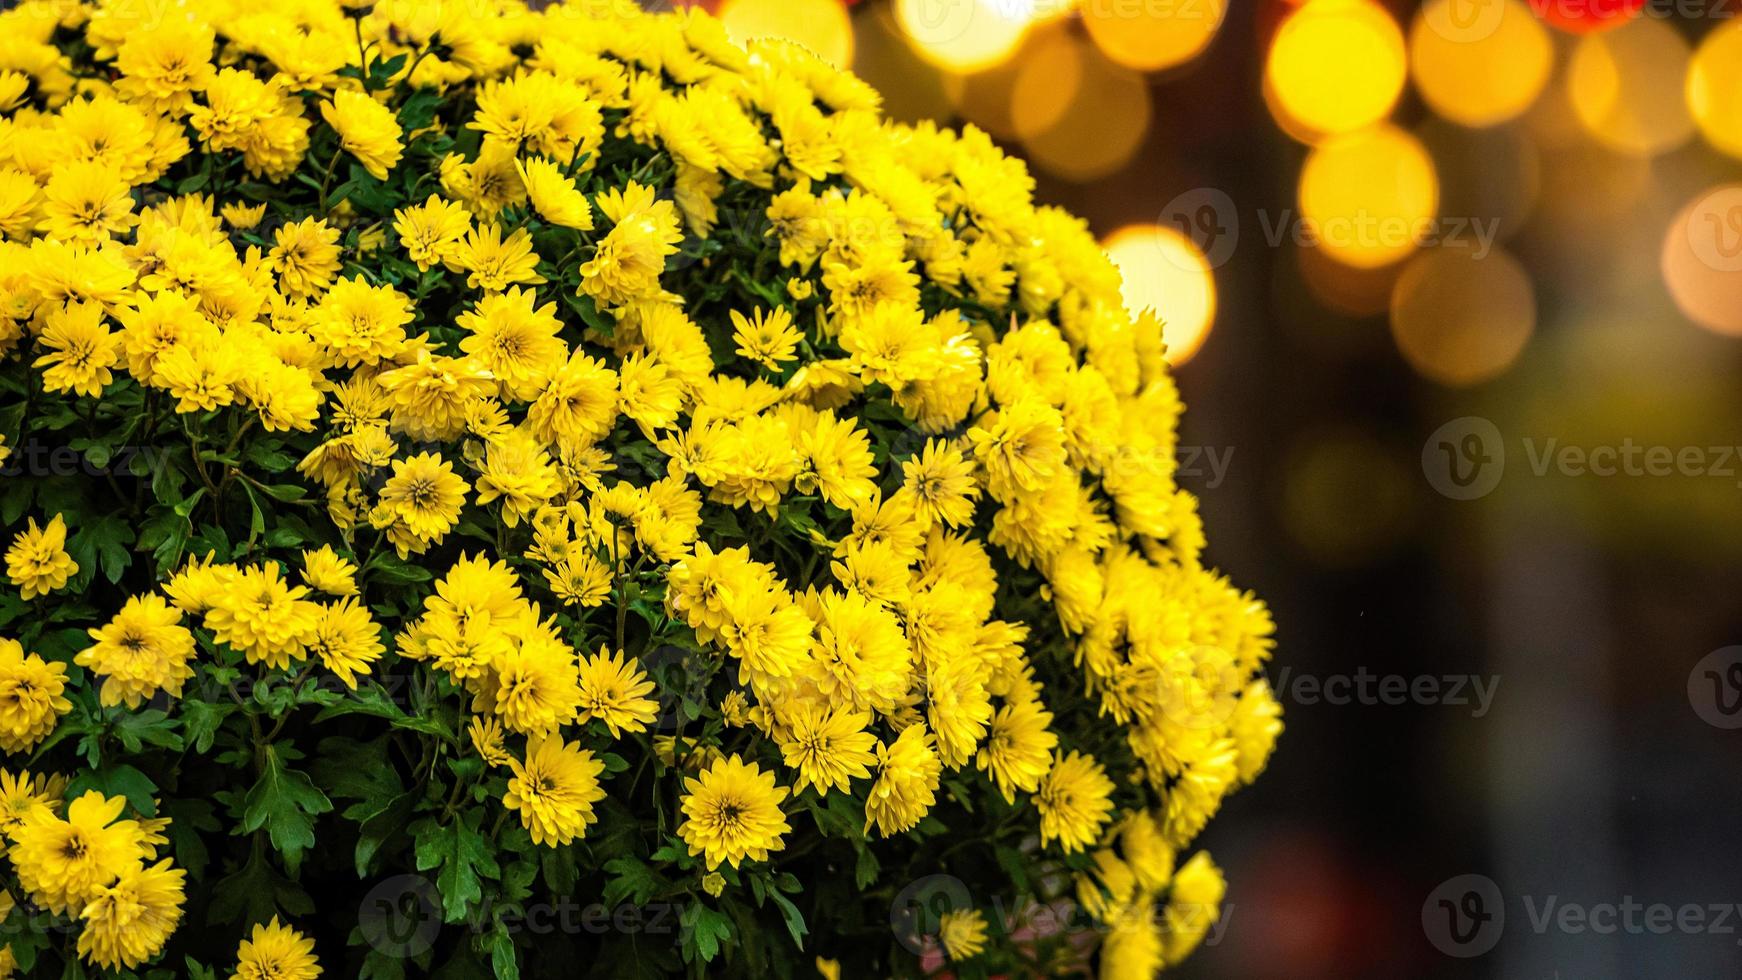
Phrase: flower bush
x=468 y=461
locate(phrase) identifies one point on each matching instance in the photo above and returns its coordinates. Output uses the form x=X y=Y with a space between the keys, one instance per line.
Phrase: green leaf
x=631 y=881
x=117 y=781
x=704 y=930
x=285 y=802
x=463 y=856
x=102 y=542
x=503 y=959
x=152 y=727
x=794 y=918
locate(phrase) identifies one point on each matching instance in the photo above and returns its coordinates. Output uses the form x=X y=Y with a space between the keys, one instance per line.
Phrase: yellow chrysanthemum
x=732 y=813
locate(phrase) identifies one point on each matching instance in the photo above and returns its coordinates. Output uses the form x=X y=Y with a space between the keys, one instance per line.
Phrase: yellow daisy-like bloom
x=1018 y=750
x=554 y=790
x=769 y=339
x=38 y=562
x=429 y=232
x=346 y=639
x=129 y=921
x=732 y=813
x=275 y=951
x=962 y=933
x=425 y=495
x=32 y=697
x=537 y=688
x=81 y=350
x=941 y=481
x=1194 y=904
x=493 y=263
x=367 y=130
x=62 y=864
x=243 y=217
x=1074 y=802
x=325 y=570
x=486 y=736
x=614 y=690
x=266 y=618
x=515 y=340
x=143 y=650
x=197 y=587
x=908 y=770
x=305 y=256
x=629 y=259
x=23 y=795
x=579 y=405
x=360 y=323
x=87 y=202
x=828 y=747
x=554 y=196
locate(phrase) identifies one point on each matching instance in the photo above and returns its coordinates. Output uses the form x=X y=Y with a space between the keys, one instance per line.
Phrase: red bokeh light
x=1586 y=16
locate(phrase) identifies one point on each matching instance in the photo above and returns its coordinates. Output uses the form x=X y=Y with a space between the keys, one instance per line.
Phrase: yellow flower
x=305 y=256
x=768 y=339
x=554 y=790
x=942 y=483
x=492 y=263
x=367 y=130
x=346 y=639
x=614 y=691
x=732 y=813
x=87 y=202
x=63 y=864
x=828 y=747
x=38 y=562
x=579 y=405
x=259 y=614
x=962 y=933
x=430 y=231
x=537 y=689
x=23 y=795
x=907 y=782
x=129 y=921
x=515 y=340
x=1194 y=904
x=143 y=650
x=1018 y=750
x=1074 y=802
x=714 y=883
x=325 y=570
x=31 y=697
x=486 y=737
x=276 y=952
x=81 y=350
x=424 y=495
x=629 y=259
x=554 y=195
x=360 y=323
x=243 y=217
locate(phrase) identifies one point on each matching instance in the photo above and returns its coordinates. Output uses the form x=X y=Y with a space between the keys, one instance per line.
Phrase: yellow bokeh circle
x=1626 y=87
x=1368 y=199
x=1150 y=35
x=1702 y=260
x=1479 y=68
x=1100 y=126
x=1714 y=89
x=1162 y=270
x=820 y=25
x=1335 y=66
x=1461 y=316
x=966 y=35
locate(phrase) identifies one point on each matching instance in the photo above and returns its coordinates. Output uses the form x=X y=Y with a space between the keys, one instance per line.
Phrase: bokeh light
x=820 y=25
x=1153 y=36
x=1164 y=271
x=1626 y=86
x=1714 y=88
x=966 y=35
x=1098 y=129
x=1461 y=316
x=1483 y=68
x=1369 y=198
x=1335 y=66
x=1702 y=259
x=1586 y=16
x=1049 y=75
x=912 y=89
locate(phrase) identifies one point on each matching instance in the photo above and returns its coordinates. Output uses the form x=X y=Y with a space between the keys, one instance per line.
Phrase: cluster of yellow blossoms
x=655 y=308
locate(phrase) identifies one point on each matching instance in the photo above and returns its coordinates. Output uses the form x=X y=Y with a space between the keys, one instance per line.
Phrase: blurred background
x=1454 y=291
